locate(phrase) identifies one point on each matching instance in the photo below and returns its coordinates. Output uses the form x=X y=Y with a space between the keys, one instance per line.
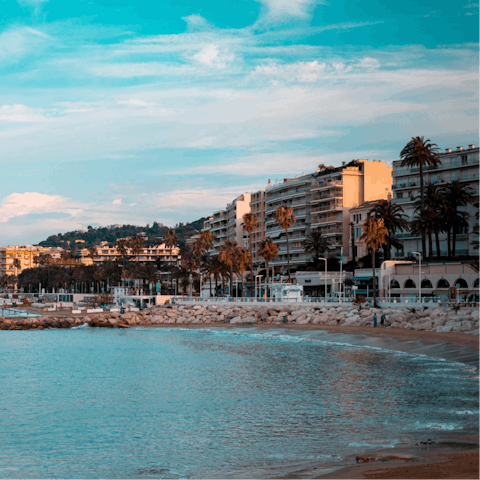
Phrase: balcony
x=328 y=195
x=336 y=205
x=320 y=188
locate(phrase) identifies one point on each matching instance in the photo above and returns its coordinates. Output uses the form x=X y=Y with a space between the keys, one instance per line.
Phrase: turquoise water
x=243 y=403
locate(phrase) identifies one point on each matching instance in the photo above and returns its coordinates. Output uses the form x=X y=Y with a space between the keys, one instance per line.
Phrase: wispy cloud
x=21 y=114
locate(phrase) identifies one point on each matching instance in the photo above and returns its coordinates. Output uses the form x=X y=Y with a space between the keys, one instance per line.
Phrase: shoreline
x=457 y=458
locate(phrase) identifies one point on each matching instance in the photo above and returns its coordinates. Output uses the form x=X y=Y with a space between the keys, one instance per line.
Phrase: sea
x=220 y=402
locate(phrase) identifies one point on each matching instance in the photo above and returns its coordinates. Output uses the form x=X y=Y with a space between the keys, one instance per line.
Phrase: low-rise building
x=104 y=253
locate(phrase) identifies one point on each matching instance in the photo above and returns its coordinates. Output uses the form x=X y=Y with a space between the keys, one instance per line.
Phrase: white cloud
x=19 y=204
x=134 y=102
x=291 y=8
x=21 y=113
x=16 y=42
x=117 y=201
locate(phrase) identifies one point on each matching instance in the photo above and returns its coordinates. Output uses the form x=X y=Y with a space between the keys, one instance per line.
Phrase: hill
x=94 y=236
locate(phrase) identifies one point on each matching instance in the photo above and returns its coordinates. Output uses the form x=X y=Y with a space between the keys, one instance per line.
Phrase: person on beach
x=382 y=320
x=375 y=320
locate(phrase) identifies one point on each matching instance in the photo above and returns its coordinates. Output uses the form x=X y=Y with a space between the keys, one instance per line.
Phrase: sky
x=114 y=111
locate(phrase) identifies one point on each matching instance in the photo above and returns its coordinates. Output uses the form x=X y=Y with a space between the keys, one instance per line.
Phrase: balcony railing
x=317 y=188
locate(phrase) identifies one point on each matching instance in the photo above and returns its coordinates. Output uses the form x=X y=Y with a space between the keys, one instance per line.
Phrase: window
x=409 y=284
x=464 y=160
x=461 y=283
x=399 y=194
x=426 y=283
x=394 y=284
x=443 y=283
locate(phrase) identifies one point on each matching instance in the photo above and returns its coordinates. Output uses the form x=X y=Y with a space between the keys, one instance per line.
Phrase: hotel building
x=461 y=165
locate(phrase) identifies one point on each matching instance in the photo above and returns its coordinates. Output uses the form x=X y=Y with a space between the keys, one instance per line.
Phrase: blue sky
x=135 y=112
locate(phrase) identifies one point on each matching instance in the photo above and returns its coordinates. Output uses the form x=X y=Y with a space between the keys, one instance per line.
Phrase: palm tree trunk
x=449 y=250
x=424 y=246
x=251 y=258
x=374 y=280
x=430 y=246
x=352 y=235
x=437 y=243
x=266 y=267
x=288 y=255
x=454 y=240
x=231 y=280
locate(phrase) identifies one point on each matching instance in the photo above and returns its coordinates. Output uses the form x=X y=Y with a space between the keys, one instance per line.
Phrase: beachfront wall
x=401 y=279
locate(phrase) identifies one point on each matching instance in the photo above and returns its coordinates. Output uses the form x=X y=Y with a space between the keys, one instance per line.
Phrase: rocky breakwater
x=348 y=315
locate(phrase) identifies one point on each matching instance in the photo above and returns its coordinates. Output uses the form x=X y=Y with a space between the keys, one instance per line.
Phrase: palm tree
x=375 y=235
x=456 y=195
x=325 y=169
x=170 y=237
x=228 y=255
x=419 y=152
x=250 y=224
x=92 y=253
x=269 y=251
x=394 y=221
x=122 y=248
x=422 y=224
x=136 y=245
x=286 y=220
x=189 y=262
x=434 y=213
x=316 y=244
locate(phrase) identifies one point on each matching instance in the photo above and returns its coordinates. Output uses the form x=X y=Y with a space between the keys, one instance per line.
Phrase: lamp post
x=325 y=260
x=419 y=275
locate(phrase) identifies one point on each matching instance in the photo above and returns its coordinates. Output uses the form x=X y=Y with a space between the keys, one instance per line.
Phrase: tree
x=228 y=255
x=189 y=262
x=250 y=224
x=136 y=245
x=92 y=253
x=286 y=220
x=122 y=249
x=325 y=169
x=374 y=235
x=44 y=259
x=316 y=244
x=456 y=195
x=434 y=215
x=394 y=221
x=16 y=265
x=419 y=152
x=269 y=251
x=170 y=237
x=422 y=225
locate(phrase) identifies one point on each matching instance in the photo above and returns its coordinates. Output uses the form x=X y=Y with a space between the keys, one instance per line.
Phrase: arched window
x=426 y=283
x=461 y=283
x=394 y=284
x=409 y=284
x=477 y=283
x=442 y=283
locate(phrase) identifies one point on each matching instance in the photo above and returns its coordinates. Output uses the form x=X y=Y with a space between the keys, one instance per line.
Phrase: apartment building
x=335 y=192
x=257 y=208
x=27 y=256
x=228 y=223
x=295 y=193
x=461 y=164
x=106 y=253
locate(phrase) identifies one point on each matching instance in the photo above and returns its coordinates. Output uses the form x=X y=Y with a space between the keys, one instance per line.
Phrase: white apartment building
x=461 y=164
x=106 y=253
x=295 y=193
x=228 y=223
x=257 y=208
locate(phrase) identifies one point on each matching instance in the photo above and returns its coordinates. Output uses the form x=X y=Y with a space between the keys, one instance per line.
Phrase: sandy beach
x=446 y=458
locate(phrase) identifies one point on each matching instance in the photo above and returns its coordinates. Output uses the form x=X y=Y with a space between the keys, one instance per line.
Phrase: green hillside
x=93 y=236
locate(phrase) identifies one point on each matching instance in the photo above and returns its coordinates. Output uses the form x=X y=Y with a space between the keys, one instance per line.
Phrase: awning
x=363 y=278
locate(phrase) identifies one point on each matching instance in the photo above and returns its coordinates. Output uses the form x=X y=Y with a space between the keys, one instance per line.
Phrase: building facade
x=153 y=253
x=228 y=224
x=461 y=165
x=28 y=256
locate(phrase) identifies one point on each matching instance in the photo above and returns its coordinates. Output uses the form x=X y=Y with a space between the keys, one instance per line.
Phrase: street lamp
x=325 y=260
x=419 y=275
